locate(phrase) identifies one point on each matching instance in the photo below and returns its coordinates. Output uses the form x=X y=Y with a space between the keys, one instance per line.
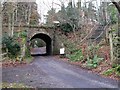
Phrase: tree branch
x=117 y=5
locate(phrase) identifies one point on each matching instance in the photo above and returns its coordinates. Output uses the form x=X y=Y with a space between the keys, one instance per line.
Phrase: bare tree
x=0 y=22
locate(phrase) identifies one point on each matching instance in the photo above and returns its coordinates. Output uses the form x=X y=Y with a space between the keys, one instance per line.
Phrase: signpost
x=62 y=51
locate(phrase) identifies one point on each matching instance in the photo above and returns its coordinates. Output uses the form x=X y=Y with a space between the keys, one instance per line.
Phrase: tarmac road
x=49 y=72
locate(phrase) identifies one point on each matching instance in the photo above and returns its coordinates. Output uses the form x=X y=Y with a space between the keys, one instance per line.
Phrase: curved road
x=49 y=72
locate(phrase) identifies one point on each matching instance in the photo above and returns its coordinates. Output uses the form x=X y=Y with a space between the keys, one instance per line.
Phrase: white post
x=62 y=50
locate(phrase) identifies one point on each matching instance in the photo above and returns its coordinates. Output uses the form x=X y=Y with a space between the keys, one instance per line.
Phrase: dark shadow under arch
x=47 y=39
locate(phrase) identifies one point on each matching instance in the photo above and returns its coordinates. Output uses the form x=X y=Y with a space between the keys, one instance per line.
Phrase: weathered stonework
x=52 y=44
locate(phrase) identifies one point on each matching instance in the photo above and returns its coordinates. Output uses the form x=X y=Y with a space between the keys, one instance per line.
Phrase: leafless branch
x=117 y=5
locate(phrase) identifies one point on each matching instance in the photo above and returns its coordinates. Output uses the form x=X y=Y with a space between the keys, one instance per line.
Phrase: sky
x=45 y=5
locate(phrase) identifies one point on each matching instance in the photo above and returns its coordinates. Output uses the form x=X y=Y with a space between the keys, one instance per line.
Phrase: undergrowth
x=76 y=55
x=114 y=70
x=86 y=54
x=94 y=62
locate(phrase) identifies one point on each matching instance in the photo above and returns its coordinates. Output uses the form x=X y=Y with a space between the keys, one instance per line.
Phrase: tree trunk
x=0 y=25
x=111 y=47
x=79 y=10
x=9 y=24
x=27 y=47
x=117 y=47
x=29 y=14
x=117 y=5
x=16 y=17
x=12 y=28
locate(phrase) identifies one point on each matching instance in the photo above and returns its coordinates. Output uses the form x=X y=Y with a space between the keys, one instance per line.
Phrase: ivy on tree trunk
x=117 y=47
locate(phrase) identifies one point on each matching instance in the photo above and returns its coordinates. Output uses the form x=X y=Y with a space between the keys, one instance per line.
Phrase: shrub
x=94 y=62
x=23 y=34
x=92 y=50
x=66 y=27
x=12 y=46
x=76 y=55
x=13 y=49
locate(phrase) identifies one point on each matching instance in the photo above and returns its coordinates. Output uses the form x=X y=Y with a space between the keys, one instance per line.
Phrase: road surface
x=38 y=51
x=49 y=72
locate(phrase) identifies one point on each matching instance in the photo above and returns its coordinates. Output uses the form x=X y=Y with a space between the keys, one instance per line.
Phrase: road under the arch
x=47 y=39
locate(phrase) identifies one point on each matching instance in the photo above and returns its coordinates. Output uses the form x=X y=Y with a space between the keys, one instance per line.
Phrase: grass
x=13 y=85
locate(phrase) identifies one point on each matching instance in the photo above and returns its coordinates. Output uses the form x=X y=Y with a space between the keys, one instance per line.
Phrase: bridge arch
x=46 y=38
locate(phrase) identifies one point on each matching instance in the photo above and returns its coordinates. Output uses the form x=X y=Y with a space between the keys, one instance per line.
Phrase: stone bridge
x=48 y=35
